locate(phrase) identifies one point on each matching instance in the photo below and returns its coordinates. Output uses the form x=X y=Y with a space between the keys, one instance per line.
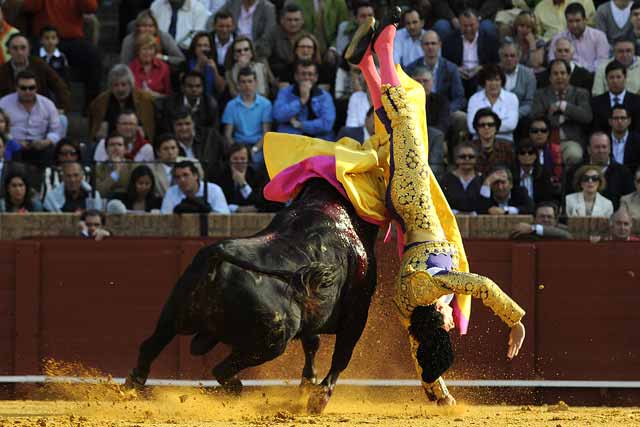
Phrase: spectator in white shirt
x=182 y=19
x=504 y=103
x=189 y=192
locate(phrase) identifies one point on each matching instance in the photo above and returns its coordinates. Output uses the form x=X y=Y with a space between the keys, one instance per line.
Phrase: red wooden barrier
x=95 y=302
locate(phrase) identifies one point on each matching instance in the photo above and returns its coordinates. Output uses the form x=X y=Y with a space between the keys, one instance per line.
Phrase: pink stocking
x=384 y=48
x=371 y=76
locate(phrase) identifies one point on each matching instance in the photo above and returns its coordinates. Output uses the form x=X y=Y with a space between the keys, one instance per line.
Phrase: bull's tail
x=307 y=282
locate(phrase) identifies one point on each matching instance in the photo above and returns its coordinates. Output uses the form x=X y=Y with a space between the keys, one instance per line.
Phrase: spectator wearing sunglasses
x=587 y=200
x=461 y=186
x=549 y=155
x=498 y=195
x=529 y=174
x=491 y=150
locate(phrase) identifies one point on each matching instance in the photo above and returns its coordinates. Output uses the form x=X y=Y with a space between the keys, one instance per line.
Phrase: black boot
x=391 y=18
x=360 y=42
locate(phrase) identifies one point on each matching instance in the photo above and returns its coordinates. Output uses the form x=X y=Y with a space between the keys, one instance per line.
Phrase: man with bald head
x=620 y=226
x=446 y=79
x=580 y=76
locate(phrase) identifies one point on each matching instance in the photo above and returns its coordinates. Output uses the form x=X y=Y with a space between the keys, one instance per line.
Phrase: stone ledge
x=18 y=226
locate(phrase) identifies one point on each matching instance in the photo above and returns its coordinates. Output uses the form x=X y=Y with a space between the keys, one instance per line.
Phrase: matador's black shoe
x=391 y=18
x=360 y=41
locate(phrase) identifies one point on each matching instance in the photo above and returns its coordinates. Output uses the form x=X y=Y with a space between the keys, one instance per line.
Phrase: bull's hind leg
x=310 y=345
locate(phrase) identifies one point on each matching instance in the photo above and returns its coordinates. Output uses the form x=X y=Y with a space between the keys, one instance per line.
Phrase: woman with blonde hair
x=146 y=23
x=150 y=73
x=242 y=54
x=587 y=201
x=532 y=47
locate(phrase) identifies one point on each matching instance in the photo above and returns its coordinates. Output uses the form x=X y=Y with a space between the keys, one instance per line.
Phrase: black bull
x=311 y=271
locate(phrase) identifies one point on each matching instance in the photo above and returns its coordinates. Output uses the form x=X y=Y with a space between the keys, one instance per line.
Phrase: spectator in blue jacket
x=304 y=108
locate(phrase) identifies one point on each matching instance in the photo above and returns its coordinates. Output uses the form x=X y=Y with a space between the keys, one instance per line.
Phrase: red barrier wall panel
x=7 y=306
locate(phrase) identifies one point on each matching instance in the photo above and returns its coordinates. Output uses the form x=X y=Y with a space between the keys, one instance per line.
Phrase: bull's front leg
x=348 y=334
x=310 y=345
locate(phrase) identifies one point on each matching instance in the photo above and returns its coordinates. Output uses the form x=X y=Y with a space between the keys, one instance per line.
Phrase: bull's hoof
x=306 y=382
x=134 y=381
x=232 y=386
x=319 y=399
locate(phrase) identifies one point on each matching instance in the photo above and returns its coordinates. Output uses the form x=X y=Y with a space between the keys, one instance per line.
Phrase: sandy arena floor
x=283 y=407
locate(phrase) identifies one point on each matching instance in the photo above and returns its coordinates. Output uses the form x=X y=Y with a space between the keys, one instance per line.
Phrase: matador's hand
x=516 y=337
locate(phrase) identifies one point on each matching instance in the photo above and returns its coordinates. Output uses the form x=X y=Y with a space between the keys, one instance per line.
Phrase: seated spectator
x=146 y=23
x=519 y=79
x=122 y=95
x=624 y=53
x=491 y=151
x=438 y=118
x=18 y=195
x=35 y=124
x=207 y=148
x=83 y=55
x=256 y=20
x=625 y=147
x=617 y=95
x=112 y=175
x=620 y=227
x=449 y=13
x=617 y=177
x=448 y=82
x=200 y=58
x=549 y=155
x=322 y=19
x=567 y=110
x=360 y=133
x=362 y=11
x=49 y=52
x=587 y=201
x=530 y=45
x=550 y=15
x=202 y=107
x=437 y=105
x=579 y=77
x=633 y=33
x=304 y=108
x=281 y=41
x=6 y=31
x=470 y=49
x=74 y=194
x=49 y=84
x=189 y=195
x=222 y=27
x=11 y=147
x=141 y=194
x=590 y=44
x=137 y=148
x=241 y=182
x=545 y=225
x=612 y=18
x=504 y=103
x=247 y=117
x=92 y=223
x=180 y=18
x=242 y=55
x=306 y=48
x=167 y=152
x=498 y=195
x=65 y=151
x=462 y=185
x=407 y=45
x=151 y=73
x=357 y=102
x=631 y=201
x=127 y=13
x=528 y=173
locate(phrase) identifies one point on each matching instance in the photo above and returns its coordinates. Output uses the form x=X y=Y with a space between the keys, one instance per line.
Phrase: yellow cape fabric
x=363 y=170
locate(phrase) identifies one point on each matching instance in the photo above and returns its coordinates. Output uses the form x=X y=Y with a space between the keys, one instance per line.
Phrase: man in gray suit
x=568 y=110
x=520 y=79
x=258 y=27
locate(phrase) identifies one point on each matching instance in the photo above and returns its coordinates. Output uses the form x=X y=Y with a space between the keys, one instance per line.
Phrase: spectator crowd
x=533 y=105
